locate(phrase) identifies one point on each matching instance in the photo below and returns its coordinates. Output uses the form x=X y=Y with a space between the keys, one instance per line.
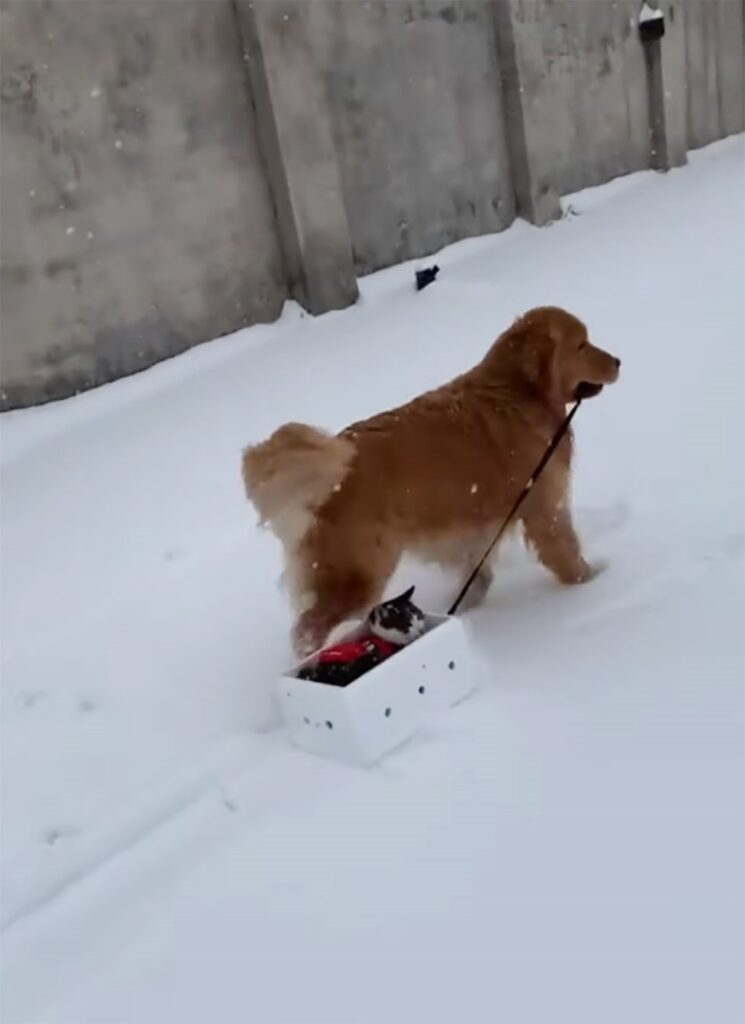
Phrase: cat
x=390 y=626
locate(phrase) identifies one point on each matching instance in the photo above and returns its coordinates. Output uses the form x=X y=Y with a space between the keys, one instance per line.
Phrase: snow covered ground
x=565 y=846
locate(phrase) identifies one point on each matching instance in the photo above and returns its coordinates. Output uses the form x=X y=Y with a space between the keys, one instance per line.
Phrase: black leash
x=523 y=494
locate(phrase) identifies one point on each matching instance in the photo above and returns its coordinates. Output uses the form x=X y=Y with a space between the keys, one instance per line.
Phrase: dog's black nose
x=618 y=364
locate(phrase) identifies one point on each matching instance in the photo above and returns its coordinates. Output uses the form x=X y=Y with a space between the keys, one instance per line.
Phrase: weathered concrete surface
x=414 y=95
x=298 y=147
x=585 y=86
x=138 y=140
x=136 y=219
x=715 y=69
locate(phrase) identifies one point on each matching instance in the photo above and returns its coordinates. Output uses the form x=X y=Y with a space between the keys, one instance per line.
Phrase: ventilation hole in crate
x=451 y=665
x=387 y=712
x=329 y=725
x=307 y=721
x=421 y=689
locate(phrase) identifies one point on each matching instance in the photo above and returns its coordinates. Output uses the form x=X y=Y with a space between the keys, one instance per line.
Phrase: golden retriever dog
x=435 y=477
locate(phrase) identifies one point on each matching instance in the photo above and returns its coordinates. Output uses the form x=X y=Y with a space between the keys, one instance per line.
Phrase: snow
x=648 y=13
x=566 y=845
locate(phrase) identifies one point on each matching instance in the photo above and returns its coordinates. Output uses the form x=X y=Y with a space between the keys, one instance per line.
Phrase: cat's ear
x=406 y=596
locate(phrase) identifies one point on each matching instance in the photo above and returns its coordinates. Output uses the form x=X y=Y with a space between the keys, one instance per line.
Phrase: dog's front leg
x=549 y=531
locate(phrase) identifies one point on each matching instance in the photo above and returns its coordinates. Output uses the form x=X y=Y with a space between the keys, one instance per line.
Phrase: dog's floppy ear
x=538 y=352
x=527 y=352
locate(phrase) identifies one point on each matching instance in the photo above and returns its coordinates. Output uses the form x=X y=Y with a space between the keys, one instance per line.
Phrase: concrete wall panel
x=170 y=171
x=586 y=84
x=136 y=219
x=414 y=94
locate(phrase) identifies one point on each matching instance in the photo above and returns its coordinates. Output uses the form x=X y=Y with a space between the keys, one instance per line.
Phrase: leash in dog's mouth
x=585 y=389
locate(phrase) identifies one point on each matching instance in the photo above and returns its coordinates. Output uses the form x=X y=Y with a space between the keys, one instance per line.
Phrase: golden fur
x=435 y=477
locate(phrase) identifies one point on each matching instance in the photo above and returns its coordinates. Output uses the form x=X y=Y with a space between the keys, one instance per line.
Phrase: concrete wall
x=715 y=72
x=136 y=219
x=170 y=171
x=414 y=95
x=587 y=88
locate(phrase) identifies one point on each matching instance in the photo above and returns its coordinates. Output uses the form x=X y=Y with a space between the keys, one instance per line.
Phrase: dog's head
x=549 y=349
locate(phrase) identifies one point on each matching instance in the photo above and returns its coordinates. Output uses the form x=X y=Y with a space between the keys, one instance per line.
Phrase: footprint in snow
x=58 y=833
x=30 y=698
x=735 y=545
x=598 y=522
x=731 y=547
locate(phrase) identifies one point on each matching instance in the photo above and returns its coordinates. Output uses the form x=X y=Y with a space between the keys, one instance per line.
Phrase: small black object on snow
x=426 y=276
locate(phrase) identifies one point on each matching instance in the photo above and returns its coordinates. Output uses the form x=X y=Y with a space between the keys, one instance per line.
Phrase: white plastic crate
x=361 y=722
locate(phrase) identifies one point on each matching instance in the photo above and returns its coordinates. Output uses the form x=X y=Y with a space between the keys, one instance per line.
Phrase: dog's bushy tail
x=290 y=475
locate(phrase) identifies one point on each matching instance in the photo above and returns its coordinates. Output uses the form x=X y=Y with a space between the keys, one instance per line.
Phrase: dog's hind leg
x=478 y=588
x=337 y=596
x=344 y=600
x=482 y=581
x=313 y=626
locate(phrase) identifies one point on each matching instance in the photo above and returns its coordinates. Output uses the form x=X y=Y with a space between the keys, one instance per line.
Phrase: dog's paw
x=584 y=573
x=593 y=570
x=342 y=630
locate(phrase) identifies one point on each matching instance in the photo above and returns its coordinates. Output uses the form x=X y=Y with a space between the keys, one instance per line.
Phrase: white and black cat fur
x=398 y=621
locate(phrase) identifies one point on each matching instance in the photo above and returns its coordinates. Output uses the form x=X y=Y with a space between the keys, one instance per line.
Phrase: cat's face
x=398 y=621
